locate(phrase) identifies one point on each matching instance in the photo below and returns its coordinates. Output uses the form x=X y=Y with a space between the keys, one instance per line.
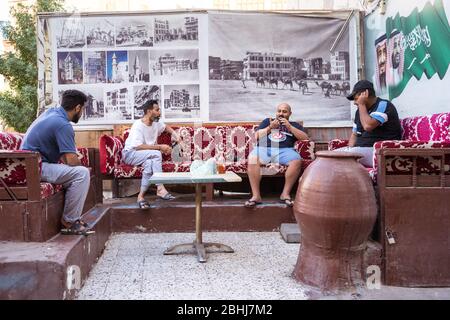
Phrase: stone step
x=55 y=269
x=290 y=232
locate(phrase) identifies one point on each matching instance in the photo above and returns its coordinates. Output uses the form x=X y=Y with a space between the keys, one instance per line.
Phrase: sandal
x=167 y=196
x=251 y=203
x=68 y=224
x=143 y=204
x=76 y=228
x=287 y=202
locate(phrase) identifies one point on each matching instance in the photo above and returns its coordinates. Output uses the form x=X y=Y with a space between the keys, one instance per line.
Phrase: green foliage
x=18 y=104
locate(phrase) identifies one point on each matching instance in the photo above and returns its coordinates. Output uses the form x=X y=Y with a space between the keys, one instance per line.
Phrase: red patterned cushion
x=169 y=166
x=336 y=144
x=403 y=165
x=427 y=128
x=306 y=149
x=10 y=141
x=83 y=155
x=48 y=189
x=110 y=149
x=12 y=170
x=234 y=143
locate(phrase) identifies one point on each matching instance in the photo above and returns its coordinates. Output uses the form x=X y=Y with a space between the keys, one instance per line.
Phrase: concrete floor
x=133 y=267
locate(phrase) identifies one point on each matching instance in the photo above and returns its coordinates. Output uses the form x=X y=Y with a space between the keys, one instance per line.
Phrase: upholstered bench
x=421 y=132
x=233 y=143
x=30 y=210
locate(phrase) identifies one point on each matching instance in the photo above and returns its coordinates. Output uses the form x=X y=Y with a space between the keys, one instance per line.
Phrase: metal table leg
x=198 y=246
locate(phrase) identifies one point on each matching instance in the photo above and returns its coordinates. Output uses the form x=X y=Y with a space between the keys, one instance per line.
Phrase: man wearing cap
x=375 y=120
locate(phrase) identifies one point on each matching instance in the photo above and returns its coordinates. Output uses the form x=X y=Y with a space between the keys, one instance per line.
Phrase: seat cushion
x=49 y=189
x=127 y=171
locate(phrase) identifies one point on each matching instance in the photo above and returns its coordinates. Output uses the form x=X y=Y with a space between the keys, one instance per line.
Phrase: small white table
x=187 y=178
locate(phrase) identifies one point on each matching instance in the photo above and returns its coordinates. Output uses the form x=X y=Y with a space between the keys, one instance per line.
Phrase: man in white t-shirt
x=141 y=148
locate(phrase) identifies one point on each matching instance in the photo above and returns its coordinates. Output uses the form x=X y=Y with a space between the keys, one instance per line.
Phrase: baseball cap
x=360 y=86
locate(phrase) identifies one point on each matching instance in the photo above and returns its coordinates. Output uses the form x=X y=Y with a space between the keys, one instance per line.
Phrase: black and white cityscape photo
x=118 y=104
x=174 y=65
x=99 y=32
x=259 y=61
x=175 y=30
x=94 y=108
x=70 y=32
x=143 y=94
x=181 y=102
x=134 y=32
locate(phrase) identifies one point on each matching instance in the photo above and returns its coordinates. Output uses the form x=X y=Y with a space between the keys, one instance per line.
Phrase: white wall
x=420 y=97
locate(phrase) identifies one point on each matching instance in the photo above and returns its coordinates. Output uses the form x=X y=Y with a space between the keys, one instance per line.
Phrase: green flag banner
x=417 y=44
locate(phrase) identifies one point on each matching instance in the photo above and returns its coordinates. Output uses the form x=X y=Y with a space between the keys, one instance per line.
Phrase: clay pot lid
x=338 y=154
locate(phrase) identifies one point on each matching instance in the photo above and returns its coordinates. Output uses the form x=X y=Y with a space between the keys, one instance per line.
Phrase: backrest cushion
x=10 y=141
x=232 y=142
x=110 y=149
x=435 y=127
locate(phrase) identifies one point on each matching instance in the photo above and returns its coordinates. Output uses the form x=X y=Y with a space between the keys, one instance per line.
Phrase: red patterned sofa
x=232 y=142
x=30 y=210
x=422 y=132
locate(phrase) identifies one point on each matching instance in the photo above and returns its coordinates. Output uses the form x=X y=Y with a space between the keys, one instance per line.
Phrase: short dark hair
x=371 y=92
x=71 y=98
x=148 y=105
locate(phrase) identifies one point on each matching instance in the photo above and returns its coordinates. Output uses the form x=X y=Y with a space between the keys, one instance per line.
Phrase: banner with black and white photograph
x=257 y=61
x=200 y=66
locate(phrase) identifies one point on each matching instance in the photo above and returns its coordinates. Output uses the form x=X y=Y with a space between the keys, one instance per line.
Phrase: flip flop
x=287 y=202
x=251 y=203
x=143 y=204
x=167 y=196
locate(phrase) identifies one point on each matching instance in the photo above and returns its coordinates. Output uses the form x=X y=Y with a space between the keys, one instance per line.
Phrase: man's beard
x=76 y=117
x=395 y=61
x=156 y=119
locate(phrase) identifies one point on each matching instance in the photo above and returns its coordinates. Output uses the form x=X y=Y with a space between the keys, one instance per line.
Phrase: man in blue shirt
x=276 y=138
x=53 y=137
x=375 y=120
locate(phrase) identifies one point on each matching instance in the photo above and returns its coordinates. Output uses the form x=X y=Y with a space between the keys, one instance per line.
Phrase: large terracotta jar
x=335 y=208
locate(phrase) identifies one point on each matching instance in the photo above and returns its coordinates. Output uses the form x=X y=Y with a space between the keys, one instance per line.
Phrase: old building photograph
x=175 y=30
x=174 y=65
x=257 y=61
x=117 y=66
x=70 y=67
x=94 y=108
x=71 y=32
x=118 y=105
x=138 y=66
x=134 y=32
x=143 y=94
x=181 y=102
x=94 y=66
x=99 y=32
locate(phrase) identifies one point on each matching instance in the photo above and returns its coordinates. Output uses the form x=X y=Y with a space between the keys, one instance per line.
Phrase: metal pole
x=198 y=213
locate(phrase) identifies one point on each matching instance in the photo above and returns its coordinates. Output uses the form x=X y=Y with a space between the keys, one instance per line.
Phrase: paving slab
x=133 y=267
